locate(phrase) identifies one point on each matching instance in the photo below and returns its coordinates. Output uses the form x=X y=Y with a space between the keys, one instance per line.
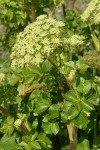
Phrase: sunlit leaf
x=46 y=66
x=41 y=105
x=8 y=143
x=81 y=121
x=73 y=113
x=84 y=86
x=84 y=145
x=71 y=96
x=50 y=128
x=87 y=105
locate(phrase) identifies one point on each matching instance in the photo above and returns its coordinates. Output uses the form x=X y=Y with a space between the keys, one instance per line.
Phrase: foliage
x=14 y=16
x=51 y=103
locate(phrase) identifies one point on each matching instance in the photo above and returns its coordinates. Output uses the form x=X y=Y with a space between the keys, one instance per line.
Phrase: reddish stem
x=4 y=111
x=33 y=11
x=73 y=4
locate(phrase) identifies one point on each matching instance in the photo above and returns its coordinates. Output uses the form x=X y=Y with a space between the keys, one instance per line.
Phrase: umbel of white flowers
x=38 y=41
x=92 y=12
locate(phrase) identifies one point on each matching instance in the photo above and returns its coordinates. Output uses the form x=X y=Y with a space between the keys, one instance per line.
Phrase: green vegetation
x=49 y=76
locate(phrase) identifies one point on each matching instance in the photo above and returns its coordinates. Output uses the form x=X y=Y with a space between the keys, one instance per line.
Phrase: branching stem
x=4 y=111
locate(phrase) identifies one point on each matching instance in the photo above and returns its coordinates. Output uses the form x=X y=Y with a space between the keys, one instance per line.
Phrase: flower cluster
x=92 y=58
x=92 y=13
x=74 y=40
x=18 y=123
x=36 y=42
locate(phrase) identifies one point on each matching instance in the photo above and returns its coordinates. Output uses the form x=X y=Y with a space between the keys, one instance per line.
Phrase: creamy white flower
x=92 y=12
x=36 y=42
x=18 y=123
x=74 y=40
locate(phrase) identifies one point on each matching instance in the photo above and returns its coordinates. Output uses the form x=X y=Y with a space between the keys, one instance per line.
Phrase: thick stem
x=72 y=131
x=4 y=111
x=63 y=10
x=71 y=145
x=73 y=4
x=33 y=11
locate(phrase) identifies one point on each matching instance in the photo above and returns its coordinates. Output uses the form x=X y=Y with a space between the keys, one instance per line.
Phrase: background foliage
x=54 y=105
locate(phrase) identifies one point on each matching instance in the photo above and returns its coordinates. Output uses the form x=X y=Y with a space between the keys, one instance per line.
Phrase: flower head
x=92 y=13
x=36 y=42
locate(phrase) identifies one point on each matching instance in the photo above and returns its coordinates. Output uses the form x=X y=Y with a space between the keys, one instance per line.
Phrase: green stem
x=95 y=127
x=94 y=72
x=72 y=130
x=70 y=53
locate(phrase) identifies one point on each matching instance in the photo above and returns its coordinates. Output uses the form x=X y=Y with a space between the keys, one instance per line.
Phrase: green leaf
x=70 y=96
x=10 y=14
x=20 y=89
x=13 y=4
x=55 y=128
x=8 y=143
x=46 y=66
x=8 y=127
x=84 y=86
x=73 y=113
x=50 y=128
x=64 y=117
x=65 y=109
x=43 y=139
x=13 y=79
x=42 y=105
x=34 y=136
x=5 y=1
x=87 y=105
x=28 y=76
x=96 y=143
x=92 y=122
x=26 y=138
x=66 y=106
x=35 y=124
x=81 y=65
x=34 y=94
x=35 y=145
x=84 y=145
x=78 y=105
x=51 y=116
x=81 y=121
x=98 y=89
x=30 y=73
x=94 y=99
x=53 y=113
